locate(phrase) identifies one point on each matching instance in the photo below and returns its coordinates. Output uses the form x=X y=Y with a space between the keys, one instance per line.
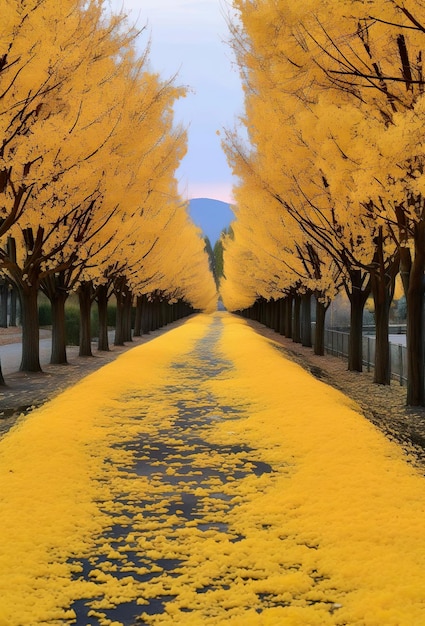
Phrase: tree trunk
x=155 y=314
x=13 y=307
x=268 y=314
x=382 y=283
x=119 y=324
x=85 y=293
x=405 y=268
x=11 y=251
x=415 y=322
x=146 y=315
x=382 y=373
x=282 y=315
x=164 y=313
x=127 y=313
x=58 y=353
x=262 y=311
x=357 y=296
x=2 y=381
x=102 y=308
x=4 y=297
x=276 y=315
x=138 y=317
x=355 y=342
x=319 y=336
x=296 y=331
x=288 y=322
x=30 y=329
x=306 y=320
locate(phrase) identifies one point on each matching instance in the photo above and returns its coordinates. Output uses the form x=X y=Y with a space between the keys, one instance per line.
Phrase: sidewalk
x=26 y=391
x=10 y=353
x=205 y=479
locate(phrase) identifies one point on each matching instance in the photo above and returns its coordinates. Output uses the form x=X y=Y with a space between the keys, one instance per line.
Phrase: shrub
x=94 y=322
x=44 y=314
x=112 y=315
x=72 y=325
x=72 y=319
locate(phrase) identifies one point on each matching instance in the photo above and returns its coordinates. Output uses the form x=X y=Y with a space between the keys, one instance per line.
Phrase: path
x=204 y=479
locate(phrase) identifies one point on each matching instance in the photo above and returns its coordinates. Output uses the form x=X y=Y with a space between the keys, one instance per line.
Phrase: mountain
x=212 y=216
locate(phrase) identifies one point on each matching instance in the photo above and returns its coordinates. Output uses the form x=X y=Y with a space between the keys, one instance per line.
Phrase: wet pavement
x=179 y=486
x=189 y=481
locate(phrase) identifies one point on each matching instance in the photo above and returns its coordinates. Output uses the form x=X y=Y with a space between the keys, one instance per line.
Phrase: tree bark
x=382 y=283
x=415 y=321
x=319 y=336
x=357 y=296
x=155 y=324
x=13 y=307
x=138 y=317
x=145 y=312
x=58 y=353
x=55 y=289
x=30 y=361
x=282 y=315
x=382 y=373
x=4 y=297
x=2 y=381
x=119 y=324
x=127 y=314
x=288 y=322
x=306 y=320
x=296 y=330
x=102 y=308
x=85 y=292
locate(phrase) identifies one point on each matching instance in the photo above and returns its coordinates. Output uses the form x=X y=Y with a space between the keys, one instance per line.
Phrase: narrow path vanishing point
x=204 y=479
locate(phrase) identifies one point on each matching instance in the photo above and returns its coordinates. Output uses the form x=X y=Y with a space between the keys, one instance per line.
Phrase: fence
x=336 y=343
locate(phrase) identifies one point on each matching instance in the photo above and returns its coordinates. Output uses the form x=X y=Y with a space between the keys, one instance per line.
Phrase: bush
x=72 y=325
x=44 y=314
x=112 y=315
x=94 y=321
x=72 y=319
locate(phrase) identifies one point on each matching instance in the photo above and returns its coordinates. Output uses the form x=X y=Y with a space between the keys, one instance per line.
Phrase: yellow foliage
x=313 y=541
x=334 y=124
x=90 y=153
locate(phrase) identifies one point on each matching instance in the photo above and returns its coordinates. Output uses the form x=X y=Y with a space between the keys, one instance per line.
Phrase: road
x=205 y=479
x=10 y=353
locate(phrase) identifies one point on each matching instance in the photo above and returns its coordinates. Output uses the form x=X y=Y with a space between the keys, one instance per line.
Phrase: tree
x=55 y=125
x=308 y=166
x=378 y=65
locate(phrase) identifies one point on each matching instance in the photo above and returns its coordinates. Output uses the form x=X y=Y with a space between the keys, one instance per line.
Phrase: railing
x=336 y=343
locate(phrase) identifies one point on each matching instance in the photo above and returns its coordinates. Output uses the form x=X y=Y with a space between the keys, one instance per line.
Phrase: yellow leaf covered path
x=203 y=479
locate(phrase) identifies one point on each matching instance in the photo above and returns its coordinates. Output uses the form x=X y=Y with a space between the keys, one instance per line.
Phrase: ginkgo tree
x=378 y=66
x=142 y=154
x=324 y=165
x=60 y=62
x=88 y=154
x=287 y=268
x=285 y=163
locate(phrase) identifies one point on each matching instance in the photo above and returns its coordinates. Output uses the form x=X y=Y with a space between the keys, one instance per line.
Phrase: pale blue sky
x=188 y=38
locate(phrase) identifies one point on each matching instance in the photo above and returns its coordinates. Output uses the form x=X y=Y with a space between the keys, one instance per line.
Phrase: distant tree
x=218 y=253
x=218 y=260
x=210 y=252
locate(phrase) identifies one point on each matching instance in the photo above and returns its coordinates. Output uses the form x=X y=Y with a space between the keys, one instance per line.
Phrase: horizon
x=213 y=199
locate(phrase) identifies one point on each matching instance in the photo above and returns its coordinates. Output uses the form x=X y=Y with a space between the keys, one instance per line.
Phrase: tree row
x=330 y=162
x=88 y=160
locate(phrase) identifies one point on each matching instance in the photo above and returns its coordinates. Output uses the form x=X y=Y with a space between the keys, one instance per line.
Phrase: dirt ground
x=384 y=406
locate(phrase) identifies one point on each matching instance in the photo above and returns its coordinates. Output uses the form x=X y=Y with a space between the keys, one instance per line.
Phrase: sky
x=188 y=37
